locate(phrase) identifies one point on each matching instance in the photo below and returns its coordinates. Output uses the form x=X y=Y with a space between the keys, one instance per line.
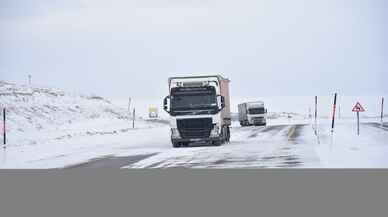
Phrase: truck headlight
x=175 y=133
x=214 y=132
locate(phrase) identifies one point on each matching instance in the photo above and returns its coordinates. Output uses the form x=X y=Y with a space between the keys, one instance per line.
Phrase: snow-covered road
x=250 y=147
x=287 y=145
x=280 y=146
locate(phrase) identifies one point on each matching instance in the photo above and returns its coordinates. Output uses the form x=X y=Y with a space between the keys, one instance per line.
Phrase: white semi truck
x=252 y=113
x=199 y=108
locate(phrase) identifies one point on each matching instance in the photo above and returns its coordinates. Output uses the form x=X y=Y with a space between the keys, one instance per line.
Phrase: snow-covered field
x=48 y=128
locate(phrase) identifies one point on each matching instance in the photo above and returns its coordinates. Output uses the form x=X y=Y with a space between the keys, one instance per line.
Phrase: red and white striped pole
x=334 y=106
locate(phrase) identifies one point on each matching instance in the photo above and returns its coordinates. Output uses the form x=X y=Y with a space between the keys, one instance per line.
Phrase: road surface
x=278 y=145
x=250 y=147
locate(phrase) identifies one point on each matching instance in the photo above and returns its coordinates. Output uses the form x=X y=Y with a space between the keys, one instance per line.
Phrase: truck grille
x=258 y=119
x=195 y=128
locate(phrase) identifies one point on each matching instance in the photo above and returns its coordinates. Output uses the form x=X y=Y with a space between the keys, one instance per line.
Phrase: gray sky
x=120 y=48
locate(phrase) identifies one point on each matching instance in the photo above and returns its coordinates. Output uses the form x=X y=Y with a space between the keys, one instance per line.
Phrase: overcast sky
x=267 y=48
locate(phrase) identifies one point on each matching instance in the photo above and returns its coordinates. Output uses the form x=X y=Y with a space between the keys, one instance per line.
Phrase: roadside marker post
x=334 y=106
x=358 y=108
x=133 y=118
x=129 y=107
x=4 y=129
x=315 y=114
x=382 y=111
x=339 y=111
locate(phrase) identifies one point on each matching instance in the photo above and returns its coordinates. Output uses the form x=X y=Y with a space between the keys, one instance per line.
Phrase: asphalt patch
x=110 y=162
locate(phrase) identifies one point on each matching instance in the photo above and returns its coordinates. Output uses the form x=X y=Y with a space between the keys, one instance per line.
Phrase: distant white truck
x=252 y=113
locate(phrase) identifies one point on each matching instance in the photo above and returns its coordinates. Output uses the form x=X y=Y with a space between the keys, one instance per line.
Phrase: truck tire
x=217 y=143
x=176 y=144
x=227 y=134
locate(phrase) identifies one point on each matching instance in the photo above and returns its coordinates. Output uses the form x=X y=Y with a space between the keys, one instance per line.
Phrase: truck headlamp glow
x=175 y=133
x=214 y=132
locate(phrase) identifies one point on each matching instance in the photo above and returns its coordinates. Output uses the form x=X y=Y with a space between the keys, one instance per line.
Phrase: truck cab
x=199 y=109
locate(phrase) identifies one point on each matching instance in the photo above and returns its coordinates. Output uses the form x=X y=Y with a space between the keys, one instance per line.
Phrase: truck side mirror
x=221 y=102
x=165 y=102
x=266 y=111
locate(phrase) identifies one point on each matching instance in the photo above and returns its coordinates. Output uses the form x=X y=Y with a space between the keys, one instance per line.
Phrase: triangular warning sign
x=358 y=108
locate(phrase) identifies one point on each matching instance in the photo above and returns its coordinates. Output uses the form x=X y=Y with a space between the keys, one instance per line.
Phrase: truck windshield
x=255 y=111
x=198 y=99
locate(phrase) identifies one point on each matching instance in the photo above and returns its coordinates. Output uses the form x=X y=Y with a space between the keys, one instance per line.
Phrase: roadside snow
x=345 y=149
x=74 y=150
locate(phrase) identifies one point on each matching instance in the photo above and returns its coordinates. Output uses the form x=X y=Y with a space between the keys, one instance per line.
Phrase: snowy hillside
x=37 y=108
x=40 y=114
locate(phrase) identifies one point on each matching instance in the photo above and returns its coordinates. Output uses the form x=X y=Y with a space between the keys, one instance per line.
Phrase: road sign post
x=358 y=123
x=358 y=108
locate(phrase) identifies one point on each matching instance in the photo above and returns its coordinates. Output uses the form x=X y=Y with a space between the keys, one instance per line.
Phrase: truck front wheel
x=217 y=143
x=227 y=134
x=176 y=144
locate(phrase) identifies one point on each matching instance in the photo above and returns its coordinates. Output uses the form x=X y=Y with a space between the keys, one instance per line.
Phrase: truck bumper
x=210 y=139
x=259 y=123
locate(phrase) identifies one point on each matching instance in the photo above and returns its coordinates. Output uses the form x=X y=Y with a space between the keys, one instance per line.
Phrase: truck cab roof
x=219 y=77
